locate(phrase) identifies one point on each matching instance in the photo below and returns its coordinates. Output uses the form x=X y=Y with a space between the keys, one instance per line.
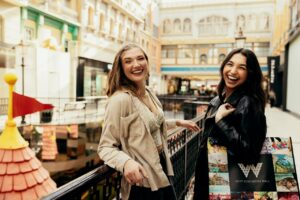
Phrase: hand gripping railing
x=104 y=182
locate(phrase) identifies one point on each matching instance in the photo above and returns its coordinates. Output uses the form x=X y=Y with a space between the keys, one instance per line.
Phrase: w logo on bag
x=246 y=169
x=274 y=172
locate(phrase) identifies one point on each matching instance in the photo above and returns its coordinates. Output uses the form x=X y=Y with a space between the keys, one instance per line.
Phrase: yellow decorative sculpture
x=22 y=174
x=10 y=137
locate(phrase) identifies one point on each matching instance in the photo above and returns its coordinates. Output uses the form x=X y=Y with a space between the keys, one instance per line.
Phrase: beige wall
x=10 y=16
x=281 y=26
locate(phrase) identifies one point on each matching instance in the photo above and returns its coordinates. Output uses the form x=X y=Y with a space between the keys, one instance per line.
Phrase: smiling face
x=135 y=66
x=235 y=73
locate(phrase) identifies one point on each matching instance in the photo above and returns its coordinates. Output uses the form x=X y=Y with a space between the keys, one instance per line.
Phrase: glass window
x=164 y=53
x=261 y=49
x=29 y=33
x=213 y=25
x=168 y=51
x=91 y=16
x=101 y=22
x=264 y=22
x=240 y=22
x=94 y=81
x=185 y=53
x=103 y=7
x=203 y=59
x=167 y=26
x=177 y=25
x=171 y=53
x=111 y=27
x=1 y=29
x=113 y=13
x=221 y=58
x=7 y=57
x=298 y=10
x=29 y=29
x=187 y=27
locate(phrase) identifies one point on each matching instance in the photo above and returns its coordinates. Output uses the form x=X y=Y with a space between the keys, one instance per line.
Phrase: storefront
x=50 y=44
x=91 y=78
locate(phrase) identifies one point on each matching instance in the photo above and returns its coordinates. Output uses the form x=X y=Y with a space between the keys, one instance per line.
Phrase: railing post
x=118 y=185
x=185 y=156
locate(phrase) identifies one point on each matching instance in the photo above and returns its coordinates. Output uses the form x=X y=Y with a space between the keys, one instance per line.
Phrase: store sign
x=273 y=65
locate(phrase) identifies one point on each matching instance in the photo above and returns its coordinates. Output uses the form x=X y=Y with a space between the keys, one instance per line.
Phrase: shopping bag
x=272 y=177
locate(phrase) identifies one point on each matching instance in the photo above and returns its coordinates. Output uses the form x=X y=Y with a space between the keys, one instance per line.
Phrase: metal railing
x=66 y=111
x=104 y=182
x=100 y=183
x=183 y=146
x=91 y=109
x=184 y=106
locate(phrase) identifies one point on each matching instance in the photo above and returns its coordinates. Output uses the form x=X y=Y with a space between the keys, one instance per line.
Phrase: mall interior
x=60 y=52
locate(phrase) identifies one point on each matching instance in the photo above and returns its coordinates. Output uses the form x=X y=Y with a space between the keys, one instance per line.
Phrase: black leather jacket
x=242 y=132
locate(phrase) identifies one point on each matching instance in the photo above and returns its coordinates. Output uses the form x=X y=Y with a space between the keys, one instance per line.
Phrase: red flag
x=23 y=105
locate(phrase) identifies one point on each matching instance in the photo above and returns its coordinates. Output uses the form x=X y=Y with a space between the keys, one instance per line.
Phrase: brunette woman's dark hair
x=253 y=85
x=116 y=78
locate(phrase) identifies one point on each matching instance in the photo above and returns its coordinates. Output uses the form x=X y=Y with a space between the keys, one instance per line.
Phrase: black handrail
x=75 y=188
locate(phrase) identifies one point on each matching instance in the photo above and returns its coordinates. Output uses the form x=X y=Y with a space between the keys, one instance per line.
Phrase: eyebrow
x=240 y=64
x=129 y=58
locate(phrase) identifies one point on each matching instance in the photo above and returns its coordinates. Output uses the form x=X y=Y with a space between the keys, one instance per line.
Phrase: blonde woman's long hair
x=117 y=79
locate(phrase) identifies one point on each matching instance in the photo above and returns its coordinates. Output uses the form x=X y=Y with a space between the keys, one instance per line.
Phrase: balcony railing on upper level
x=184 y=106
x=104 y=182
x=91 y=109
x=66 y=111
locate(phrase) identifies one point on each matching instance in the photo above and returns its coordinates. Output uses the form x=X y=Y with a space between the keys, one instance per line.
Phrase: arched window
x=91 y=16
x=264 y=22
x=221 y=57
x=187 y=25
x=167 y=26
x=240 y=22
x=213 y=25
x=101 y=21
x=203 y=59
x=177 y=25
x=251 y=22
x=1 y=29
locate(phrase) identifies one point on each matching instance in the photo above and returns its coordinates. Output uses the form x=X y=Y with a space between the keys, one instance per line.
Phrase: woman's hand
x=223 y=111
x=188 y=124
x=134 y=172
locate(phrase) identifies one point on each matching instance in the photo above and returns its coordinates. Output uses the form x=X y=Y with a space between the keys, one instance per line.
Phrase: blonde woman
x=134 y=136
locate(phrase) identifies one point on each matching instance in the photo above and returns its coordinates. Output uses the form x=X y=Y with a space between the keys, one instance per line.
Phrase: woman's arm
x=172 y=123
x=244 y=132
